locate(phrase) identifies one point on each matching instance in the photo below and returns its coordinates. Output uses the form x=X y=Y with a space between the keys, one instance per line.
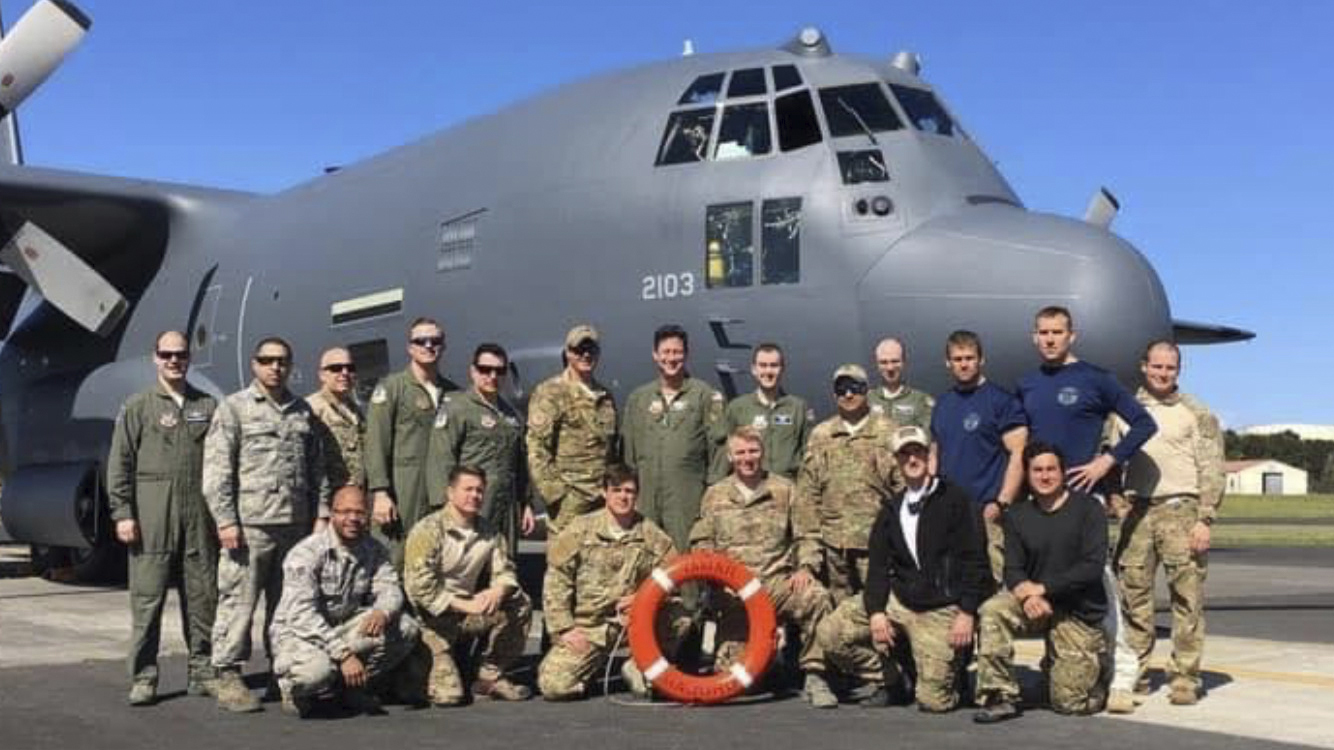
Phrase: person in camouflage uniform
x=846 y=475
x=479 y=428
x=1055 y=551
x=593 y=570
x=667 y=433
x=154 y=473
x=341 y=425
x=894 y=398
x=927 y=576
x=785 y=421
x=752 y=516
x=451 y=555
x=398 y=431
x=571 y=431
x=265 y=486
x=1175 y=483
x=340 y=618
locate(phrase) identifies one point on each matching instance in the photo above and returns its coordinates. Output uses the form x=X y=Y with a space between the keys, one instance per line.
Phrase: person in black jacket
x=927 y=575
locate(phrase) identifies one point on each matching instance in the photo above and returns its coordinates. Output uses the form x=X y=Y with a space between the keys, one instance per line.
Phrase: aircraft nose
x=990 y=268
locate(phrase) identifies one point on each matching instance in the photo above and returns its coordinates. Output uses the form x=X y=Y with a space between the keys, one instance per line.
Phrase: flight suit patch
x=655 y=407
x=759 y=422
x=441 y=419
x=196 y=416
x=488 y=421
x=379 y=396
x=168 y=420
x=679 y=406
x=782 y=420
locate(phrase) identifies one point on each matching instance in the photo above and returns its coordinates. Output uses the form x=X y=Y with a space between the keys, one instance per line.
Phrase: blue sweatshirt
x=1068 y=404
x=968 y=427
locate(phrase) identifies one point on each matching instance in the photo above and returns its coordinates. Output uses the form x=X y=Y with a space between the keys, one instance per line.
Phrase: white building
x=1264 y=476
x=1303 y=431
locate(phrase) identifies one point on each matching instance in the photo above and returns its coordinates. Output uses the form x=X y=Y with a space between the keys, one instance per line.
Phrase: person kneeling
x=593 y=569
x=927 y=574
x=340 y=614
x=448 y=554
x=1055 y=550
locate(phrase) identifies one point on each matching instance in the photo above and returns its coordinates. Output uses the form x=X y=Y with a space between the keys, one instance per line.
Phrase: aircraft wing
x=1190 y=332
x=86 y=242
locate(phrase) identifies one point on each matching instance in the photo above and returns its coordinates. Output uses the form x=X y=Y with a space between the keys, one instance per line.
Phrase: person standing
x=1175 y=484
x=341 y=424
x=667 y=431
x=480 y=428
x=1068 y=402
x=783 y=420
x=979 y=430
x=154 y=477
x=895 y=399
x=571 y=431
x=398 y=431
x=265 y=486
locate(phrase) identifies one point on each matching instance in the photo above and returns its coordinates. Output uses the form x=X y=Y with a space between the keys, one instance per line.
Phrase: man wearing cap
x=340 y=424
x=894 y=398
x=979 y=430
x=667 y=429
x=926 y=579
x=783 y=420
x=398 y=430
x=847 y=473
x=571 y=431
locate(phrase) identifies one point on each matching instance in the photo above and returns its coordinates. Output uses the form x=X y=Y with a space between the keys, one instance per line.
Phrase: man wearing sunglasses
x=479 y=428
x=153 y=488
x=848 y=472
x=341 y=424
x=571 y=431
x=265 y=486
x=398 y=430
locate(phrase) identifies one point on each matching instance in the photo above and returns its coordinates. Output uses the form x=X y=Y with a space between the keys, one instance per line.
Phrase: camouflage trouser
x=243 y=574
x=565 y=673
x=1075 y=653
x=306 y=669
x=846 y=638
x=574 y=503
x=504 y=633
x=844 y=572
x=805 y=609
x=1161 y=533
x=995 y=549
x=190 y=564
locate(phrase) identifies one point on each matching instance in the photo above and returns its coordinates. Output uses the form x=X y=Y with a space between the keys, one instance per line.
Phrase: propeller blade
x=34 y=47
x=63 y=279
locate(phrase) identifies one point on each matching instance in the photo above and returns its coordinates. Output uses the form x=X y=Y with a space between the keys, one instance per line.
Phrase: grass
x=1272 y=535
x=1260 y=507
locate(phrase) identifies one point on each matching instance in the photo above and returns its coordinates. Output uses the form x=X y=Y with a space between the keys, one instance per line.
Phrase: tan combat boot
x=233 y=695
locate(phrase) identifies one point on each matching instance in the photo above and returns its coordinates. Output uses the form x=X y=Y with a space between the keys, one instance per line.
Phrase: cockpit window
x=786 y=77
x=860 y=109
x=747 y=82
x=687 y=137
x=924 y=110
x=780 y=237
x=745 y=131
x=729 y=245
x=862 y=166
x=797 y=126
x=705 y=90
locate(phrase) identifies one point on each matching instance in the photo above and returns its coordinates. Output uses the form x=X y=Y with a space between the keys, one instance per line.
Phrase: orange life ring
x=761 y=640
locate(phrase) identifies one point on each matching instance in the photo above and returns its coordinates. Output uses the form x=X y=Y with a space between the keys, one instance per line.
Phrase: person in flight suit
x=784 y=420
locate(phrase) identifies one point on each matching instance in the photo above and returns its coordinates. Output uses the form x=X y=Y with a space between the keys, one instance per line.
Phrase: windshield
x=860 y=109
x=924 y=110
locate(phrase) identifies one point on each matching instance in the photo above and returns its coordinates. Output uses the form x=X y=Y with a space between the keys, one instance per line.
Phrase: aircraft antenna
x=688 y=48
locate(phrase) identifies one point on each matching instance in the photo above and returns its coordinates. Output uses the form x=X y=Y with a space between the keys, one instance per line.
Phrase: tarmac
x=1269 y=671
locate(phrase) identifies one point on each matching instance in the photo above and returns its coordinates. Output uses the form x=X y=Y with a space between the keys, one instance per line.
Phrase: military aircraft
x=791 y=194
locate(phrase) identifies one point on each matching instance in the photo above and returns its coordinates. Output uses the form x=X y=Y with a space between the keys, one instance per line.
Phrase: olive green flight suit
x=908 y=407
x=398 y=431
x=784 y=426
x=154 y=475
x=471 y=431
x=669 y=443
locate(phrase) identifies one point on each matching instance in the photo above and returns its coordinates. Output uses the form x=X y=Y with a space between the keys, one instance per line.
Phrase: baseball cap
x=579 y=334
x=851 y=371
x=905 y=436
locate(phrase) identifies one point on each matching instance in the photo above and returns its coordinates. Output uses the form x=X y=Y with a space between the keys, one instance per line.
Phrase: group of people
x=898 y=539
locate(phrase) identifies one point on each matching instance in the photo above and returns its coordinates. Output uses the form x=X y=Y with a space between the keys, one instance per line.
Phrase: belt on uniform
x=1176 y=499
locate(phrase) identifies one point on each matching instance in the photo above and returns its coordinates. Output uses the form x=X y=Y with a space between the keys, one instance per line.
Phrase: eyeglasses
x=340 y=367
x=429 y=342
x=179 y=356
x=268 y=361
x=586 y=349
x=849 y=389
x=496 y=370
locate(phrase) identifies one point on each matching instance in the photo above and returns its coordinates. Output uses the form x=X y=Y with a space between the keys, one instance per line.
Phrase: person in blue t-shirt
x=1068 y=402
x=979 y=431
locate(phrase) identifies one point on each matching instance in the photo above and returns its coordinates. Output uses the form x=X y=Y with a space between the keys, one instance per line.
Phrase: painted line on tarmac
x=1034 y=651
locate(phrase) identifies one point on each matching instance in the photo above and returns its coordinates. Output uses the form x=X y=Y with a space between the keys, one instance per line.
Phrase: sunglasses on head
x=429 y=342
x=180 y=355
x=340 y=367
x=497 y=370
x=268 y=360
x=849 y=387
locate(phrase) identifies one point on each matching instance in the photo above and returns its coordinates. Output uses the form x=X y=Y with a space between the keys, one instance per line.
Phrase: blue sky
x=1210 y=120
